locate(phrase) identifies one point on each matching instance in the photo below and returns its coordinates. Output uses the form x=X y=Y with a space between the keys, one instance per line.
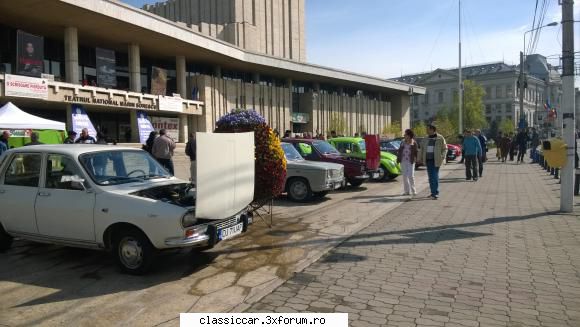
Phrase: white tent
x=11 y=117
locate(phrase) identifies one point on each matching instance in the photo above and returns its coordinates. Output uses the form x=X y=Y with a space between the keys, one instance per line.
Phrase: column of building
x=71 y=57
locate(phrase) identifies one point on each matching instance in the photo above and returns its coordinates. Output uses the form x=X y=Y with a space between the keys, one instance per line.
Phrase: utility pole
x=459 y=83
x=522 y=88
x=568 y=99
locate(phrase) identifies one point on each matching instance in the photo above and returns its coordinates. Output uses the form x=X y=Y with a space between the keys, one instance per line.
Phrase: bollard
x=556 y=173
x=552 y=171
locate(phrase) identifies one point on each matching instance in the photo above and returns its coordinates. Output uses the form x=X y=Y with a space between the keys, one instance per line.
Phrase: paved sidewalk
x=490 y=253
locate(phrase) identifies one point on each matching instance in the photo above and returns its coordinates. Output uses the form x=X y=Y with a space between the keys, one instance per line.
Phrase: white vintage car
x=114 y=198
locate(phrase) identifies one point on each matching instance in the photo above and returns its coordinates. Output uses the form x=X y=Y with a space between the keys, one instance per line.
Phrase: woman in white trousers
x=407 y=156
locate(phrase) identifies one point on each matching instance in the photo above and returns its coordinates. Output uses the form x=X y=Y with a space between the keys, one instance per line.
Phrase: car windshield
x=325 y=147
x=362 y=146
x=121 y=166
x=291 y=152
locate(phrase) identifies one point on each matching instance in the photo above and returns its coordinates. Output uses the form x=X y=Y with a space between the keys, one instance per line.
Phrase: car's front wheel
x=133 y=251
x=299 y=190
x=5 y=240
x=383 y=173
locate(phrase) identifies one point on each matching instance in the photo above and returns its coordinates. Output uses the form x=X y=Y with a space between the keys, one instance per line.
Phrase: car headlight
x=188 y=219
x=328 y=174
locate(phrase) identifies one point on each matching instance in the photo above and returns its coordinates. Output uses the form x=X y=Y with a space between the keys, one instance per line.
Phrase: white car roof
x=73 y=150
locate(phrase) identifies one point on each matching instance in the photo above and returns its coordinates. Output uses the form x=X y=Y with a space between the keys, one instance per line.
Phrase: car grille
x=228 y=222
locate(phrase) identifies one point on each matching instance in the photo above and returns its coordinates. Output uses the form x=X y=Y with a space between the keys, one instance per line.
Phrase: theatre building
x=185 y=64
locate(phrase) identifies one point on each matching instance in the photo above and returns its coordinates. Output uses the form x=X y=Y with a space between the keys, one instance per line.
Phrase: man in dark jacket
x=70 y=138
x=521 y=145
x=483 y=157
x=4 y=142
x=191 y=152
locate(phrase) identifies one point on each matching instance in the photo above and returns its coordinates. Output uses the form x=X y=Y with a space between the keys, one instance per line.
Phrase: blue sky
x=387 y=38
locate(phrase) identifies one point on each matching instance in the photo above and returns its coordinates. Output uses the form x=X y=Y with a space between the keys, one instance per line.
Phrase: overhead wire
x=444 y=23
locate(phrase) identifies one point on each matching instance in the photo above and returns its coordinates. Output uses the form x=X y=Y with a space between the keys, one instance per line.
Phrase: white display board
x=225 y=174
x=25 y=87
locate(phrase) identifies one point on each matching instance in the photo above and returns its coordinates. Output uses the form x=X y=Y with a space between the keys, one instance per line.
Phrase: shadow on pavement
x=417 y=235
x=79 y=273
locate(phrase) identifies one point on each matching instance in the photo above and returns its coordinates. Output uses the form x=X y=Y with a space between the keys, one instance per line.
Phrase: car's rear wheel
x=133 y=251
x=5 y=240
x=356 y=183
x=299 y=190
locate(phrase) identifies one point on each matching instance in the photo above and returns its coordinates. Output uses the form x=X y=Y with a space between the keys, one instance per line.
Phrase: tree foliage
x=473 y=108
x=420 y=129
x=337 y=124
x=507 y=126
x=393 y=130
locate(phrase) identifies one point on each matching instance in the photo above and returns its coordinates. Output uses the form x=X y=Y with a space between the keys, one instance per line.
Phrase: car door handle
x=43 y=194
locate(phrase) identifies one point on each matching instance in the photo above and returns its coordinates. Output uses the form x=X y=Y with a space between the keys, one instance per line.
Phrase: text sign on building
x=171 y=125
x=25 y=87
x=167 y=103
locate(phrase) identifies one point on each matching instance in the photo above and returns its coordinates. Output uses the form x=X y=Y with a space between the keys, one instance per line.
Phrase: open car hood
x=225 y=174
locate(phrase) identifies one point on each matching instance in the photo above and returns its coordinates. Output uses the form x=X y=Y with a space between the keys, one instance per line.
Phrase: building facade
x=182 y=79
x=273 y=27
x=500 y=82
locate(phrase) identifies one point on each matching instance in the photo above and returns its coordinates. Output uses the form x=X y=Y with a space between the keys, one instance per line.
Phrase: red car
x=453 y=151
x=355 y=171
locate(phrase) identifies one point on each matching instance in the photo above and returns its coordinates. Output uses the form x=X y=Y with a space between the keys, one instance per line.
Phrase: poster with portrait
x=158 y=81
x=29 y=54
x=106 y=71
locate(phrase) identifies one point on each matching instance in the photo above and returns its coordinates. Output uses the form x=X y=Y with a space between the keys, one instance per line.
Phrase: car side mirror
x=76 y=183
x=79 y=186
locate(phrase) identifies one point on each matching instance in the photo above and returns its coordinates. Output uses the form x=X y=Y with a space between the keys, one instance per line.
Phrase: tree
x=393 y=130
x=446 y=128
x=507 y=126
x=420 y=129
x=337 y=124
x=473 y=108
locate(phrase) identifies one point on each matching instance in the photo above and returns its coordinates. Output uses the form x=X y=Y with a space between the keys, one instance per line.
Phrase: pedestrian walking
x=148 y=146
x=472 y=151
x=482 y=158
x=513 y=147
x=4 y=142
x=505 y=147
x=33 y=139
x=498 y=140
x=85 y=138
x=433 y=153
x=407 y=156
x=70 y=137
x=191 y=152
x=521 y=145
x=162 y=150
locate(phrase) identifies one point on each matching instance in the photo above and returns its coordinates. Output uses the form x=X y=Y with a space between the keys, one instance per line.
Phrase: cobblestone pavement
x=490 y=253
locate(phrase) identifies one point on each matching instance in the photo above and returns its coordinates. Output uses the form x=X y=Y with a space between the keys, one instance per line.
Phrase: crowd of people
x=516 y=146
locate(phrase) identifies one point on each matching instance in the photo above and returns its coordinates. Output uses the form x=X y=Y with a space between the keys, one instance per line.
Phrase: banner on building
x=167 y=103
x=158 y=81
x=171 y=126
x=81 y=120
x=29 y=54
x=25 y=87
x=106 y=68
x=145 y=126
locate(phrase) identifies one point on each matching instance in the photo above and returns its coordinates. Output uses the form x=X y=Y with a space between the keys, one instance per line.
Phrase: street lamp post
x=522 y=121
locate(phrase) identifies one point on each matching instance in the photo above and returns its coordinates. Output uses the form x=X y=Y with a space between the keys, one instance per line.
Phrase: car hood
x=388 y=155
x=313 y=165
x=140 y=186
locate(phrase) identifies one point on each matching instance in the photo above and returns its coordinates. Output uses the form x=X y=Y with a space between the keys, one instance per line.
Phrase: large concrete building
x=500 y=82
x=205 y=76
x=273 y=27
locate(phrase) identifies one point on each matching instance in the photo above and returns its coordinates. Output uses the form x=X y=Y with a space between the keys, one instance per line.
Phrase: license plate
x=375 y=175
x=226 y=233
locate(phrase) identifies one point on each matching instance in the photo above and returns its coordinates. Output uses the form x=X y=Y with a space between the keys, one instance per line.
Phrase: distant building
x=500 y=82
x=272 y=27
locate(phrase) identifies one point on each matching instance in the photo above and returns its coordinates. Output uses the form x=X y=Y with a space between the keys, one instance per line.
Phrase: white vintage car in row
x=122 y=200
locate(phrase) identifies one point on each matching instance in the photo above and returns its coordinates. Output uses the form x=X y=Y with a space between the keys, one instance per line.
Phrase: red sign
x=373 y=153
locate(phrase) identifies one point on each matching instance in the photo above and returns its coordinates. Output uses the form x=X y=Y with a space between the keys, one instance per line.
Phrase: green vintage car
x=355 y=147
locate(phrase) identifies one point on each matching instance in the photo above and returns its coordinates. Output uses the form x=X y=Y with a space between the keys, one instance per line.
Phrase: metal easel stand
x=264 y=210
